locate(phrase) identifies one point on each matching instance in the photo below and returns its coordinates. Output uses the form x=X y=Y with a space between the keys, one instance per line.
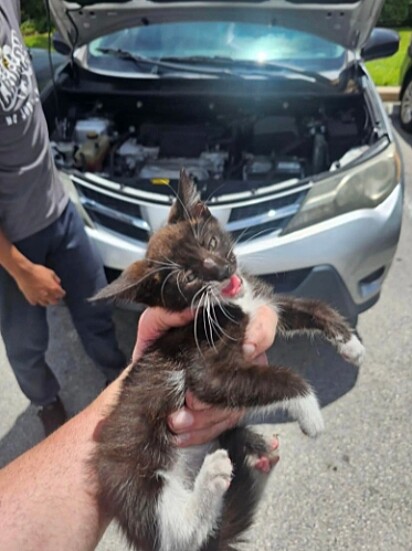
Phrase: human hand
x=40 y=285
x=198 y=423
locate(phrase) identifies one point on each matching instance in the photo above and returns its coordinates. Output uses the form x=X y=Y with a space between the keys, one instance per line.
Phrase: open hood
x=345 y=22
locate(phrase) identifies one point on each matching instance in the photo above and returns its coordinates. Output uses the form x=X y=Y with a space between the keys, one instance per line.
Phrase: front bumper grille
x=249 y=215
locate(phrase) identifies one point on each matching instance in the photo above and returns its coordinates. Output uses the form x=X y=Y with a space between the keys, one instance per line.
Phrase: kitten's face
x=192 y=257
x=190 y=262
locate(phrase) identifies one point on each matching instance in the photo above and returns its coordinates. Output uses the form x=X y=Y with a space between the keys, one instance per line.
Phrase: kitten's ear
x=127 y=286
x=187 y=204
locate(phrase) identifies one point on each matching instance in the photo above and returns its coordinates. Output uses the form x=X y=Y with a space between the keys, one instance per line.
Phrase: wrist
x=19 y=267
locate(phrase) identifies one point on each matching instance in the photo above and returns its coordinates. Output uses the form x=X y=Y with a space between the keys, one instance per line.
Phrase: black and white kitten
x=201 y=498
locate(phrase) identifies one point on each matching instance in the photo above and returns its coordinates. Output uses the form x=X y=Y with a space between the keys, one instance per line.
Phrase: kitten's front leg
x=310 y=315
x=187 y=518
x=234 y=382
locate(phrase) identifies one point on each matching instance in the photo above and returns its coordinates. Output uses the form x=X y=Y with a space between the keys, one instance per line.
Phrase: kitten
x=200 y=498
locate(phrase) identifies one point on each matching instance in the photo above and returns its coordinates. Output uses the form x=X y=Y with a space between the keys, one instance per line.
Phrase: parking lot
x=349 y=490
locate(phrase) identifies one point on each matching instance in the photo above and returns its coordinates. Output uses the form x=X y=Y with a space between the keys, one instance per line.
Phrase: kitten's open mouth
x=233 y=288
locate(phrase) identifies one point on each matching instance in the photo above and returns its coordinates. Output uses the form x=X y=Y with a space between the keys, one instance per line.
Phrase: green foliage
x=34 y=15
x=37 y=40
x=395 y=13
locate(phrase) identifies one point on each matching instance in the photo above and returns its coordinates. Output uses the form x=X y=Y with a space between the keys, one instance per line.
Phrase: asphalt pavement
x=349 y=490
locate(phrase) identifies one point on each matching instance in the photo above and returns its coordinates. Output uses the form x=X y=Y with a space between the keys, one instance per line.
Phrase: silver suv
x=267 y=104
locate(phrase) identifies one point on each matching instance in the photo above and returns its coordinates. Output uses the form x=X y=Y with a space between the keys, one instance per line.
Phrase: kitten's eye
x=190 y=276
x=212 y=244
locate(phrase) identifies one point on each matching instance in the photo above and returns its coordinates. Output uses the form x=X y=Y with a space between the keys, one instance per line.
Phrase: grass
x=386 y=72
x=37 y=40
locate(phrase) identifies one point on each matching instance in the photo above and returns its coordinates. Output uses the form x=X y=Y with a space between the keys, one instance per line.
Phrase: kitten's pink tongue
x=233 y=287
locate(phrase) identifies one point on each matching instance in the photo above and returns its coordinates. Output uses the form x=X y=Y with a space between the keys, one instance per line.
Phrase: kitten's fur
x=201 y=498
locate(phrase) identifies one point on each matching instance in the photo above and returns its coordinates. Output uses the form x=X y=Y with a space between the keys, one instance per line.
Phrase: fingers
x=261 y=331
x=46 y=300
x=155 y=321
x=56 y=278
x=49 y=298
x=198 y=427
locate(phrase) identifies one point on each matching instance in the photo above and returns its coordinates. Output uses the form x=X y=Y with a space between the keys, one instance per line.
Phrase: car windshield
x=204 y=42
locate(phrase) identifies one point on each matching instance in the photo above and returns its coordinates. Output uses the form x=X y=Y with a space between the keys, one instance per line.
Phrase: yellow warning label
x=160 y=181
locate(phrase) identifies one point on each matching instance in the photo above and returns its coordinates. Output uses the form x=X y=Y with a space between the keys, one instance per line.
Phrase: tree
x=34 y=12
x=394 y=13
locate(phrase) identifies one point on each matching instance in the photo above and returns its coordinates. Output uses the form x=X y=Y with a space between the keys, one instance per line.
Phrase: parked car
x=270 y=108
x=44 y=64
x=406 y=91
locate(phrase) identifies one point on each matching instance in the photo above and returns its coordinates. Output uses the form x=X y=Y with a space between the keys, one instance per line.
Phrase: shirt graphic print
x=18 y=93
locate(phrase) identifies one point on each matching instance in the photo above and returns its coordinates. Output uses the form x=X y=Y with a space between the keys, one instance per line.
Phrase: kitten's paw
x=264 y=461
x=216 y=472
x=352 y=351
x=308 y=414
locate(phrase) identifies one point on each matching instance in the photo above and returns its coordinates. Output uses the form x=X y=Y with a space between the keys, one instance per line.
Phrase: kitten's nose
x=216 y=271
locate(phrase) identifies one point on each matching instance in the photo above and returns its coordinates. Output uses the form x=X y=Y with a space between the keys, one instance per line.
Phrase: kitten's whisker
x=254 y=236
x=152 y=272
x=206 y=318
x=209 y=316
x=196 y=323
x=192 y=304
x=170 y=263
x=237 y=240
x=173 y=262
x=164 y=285
x=213 y=192
x=222 y=331
x=223 y=309
x=178 y=284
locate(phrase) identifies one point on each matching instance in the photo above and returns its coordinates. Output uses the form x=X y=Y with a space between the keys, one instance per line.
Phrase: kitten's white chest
x=247 y=301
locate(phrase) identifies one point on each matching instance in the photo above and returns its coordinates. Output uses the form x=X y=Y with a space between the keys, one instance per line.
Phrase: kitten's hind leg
x=310 y=315
x=188 y=517
x=246 y=449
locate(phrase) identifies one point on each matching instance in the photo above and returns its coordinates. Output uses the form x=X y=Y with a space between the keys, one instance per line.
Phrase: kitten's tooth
x=353 y=350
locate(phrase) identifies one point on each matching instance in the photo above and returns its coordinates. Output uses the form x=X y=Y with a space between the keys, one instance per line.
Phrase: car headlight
x=361 y=187
x=74 y=197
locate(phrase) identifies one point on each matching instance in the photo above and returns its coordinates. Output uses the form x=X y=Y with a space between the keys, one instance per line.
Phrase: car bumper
x=343 y=260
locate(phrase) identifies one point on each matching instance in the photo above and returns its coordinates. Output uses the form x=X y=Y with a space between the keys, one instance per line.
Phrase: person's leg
x=25 y=334
x=81 y=272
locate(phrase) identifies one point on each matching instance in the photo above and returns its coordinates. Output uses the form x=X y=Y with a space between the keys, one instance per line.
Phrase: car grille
x=119 y=209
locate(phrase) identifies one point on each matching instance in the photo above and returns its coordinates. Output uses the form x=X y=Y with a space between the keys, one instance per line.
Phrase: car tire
x=406 y=106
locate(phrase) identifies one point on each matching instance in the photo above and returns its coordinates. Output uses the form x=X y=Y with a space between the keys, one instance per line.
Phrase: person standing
x=45 y=254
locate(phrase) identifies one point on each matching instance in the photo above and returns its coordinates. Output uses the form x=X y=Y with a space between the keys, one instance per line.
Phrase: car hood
x=345 y=22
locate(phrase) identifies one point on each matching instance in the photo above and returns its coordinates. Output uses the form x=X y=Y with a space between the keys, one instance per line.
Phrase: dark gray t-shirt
x=31 y=193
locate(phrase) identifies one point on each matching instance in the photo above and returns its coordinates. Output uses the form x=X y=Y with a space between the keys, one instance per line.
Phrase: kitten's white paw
x=352 y=351
x=216 y=472
x=307 y=412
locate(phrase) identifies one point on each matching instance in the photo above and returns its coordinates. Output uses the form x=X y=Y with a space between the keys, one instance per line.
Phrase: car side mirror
x=60 y=46
x=381 y=43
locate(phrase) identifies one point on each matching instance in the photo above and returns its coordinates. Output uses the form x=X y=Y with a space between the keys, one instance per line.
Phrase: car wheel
x=406 y=107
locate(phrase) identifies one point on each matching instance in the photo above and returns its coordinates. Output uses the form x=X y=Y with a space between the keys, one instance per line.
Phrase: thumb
x=154 y=322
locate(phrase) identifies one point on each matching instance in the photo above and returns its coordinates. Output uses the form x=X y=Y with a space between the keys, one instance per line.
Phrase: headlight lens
x=361 y=187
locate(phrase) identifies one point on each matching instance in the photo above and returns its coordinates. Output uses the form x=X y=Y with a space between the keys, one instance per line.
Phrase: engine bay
x=287 y=141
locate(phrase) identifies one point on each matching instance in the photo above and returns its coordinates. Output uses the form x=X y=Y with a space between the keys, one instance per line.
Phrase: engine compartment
x=132 y=141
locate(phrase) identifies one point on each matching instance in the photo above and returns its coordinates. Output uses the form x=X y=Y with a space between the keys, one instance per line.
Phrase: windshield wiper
x=253 y=68
x=156 y=64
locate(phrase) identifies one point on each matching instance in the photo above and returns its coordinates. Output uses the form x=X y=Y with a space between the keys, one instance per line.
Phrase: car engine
x=254 y=149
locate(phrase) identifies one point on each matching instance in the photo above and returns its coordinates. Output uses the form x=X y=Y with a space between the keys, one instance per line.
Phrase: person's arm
x=40 y=285
x=48 y=495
